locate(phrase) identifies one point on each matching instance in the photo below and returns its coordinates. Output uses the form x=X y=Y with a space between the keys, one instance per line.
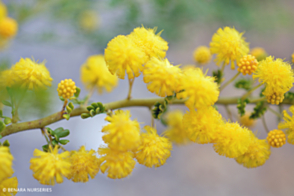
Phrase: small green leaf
x=68 y=109
x=2 y=126
x=60 y=132
x=89 y=108
x=7 y=103
x=66 y=116
x=63 y=142
x=1 y=114
x=54 y=142
x=77 y=93
x=92 y=113
x=6 y=143
x=95 y=105
x=71 y=105
x=97 y=111
x=85 y=115
x=45 y=148
x=7 y=120
x=61 y=98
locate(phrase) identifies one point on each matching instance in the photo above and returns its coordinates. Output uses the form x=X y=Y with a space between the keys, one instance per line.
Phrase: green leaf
x=66 y=116
x=85 y=115
x=1 y=114
x=7 y=103
x=7 y=120
x=2 y=126
x=71 y=105
x=61 y=98
x=241 y=106
x=54 y=142
x=63 y=142
x=60 y=132
x=68 y=109
x=77 y=93
x=6 y=143
x=45 y=148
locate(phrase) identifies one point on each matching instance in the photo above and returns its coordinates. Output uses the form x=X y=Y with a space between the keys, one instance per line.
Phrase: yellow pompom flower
x=202 y=55
x=152 y=44
x=273 y=97
x=84 y=163
x=202 y=125
x=257 y=154
x=228 y=45
x=66 y=88
x=123 y=55
x=288 y=124
x=115 y=163
x=6 y=78
x=8 y=27
x=276 y=138
x=246 y=121
x=200 y=90
x=122 y=133
x=49 y=167
x=31 y=74
x=247 y=64
x=88 y=20
x=154 y=149
x=94 y=73
x=259 y=53
x=176 y=132
x=5 y=163
x=3 y=11
x=232 y=140
x=161 y=77
x=9 y=183
x=276 y=74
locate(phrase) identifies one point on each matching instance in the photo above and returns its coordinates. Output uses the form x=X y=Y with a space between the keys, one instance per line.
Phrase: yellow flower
x=5 y=163
x=122 y=133
x=232 y=140
x=228 y=45
x=9 y=183
x=115 y=163
x=288 y=125
x=257 y=154
x=246 y=121
x=84 y=164
x=161 y=77
x=123 y=55
x=7 y=78
x=8 y=27
x=276 y=74
x=200 y=90
x=273 y=97
x=88 y=20
x=94 y=73
x=3 y=11
x=152 y=44
x=276 y=138
x=247 y=64
x=202 y=55
x=31 y=74
x=66 y=88
x=259 y=53
x=202 y=125
x=292 y=58
x=154 y=149
x=49 y=167
x=176 y=131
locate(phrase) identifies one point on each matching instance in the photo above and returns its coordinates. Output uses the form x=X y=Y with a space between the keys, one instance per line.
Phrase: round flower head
x=8 y=27
x=154 y=149
x=89 y=21
x=228 y=45
x=257 y=154
x=232 y=140
x=246 y=121
x=122 y=133
x=276 y=74
x=176 y=132
x=276 y=138
x=288 y=124
x=84 y=164
x=202 y=125
x=202 y=55
x=3 y=11
x=152 y=44
x=247 y=64
x=9 y=183
x=66 y=88
x=115 y=163
x=200 y=90
x=123 y=55
x=94 y=73
x=161 y=77
x=5 y=163
x=49 y=167
x=31 y=74
x=273 y=97
x=259 y=53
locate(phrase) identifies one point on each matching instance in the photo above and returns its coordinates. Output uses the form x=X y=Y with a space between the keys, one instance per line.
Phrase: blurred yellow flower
x=6 y=78
x=3 y=10
x=288 y=124
x=89 y=20
x=9 y=183
x=8 y=27
x=6 y=159
x=246 y=121
x=94 y=73
x=259 y=53
x=202 y=55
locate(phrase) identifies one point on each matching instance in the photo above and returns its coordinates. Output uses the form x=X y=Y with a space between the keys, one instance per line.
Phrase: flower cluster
x=202 y=55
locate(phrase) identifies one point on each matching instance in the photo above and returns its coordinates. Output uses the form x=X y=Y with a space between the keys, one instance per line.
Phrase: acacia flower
x=202 y=55
x=31 y=74
x=176 y=132
x=257 y=154
x=152 y=44
x=232 y=140
x=123 y=55
x=84 y=163
x=247 y=64
x=200 y=90
x=8 y=27
x=276 y=74
x=259 y=53
x=202 y=125
x=228 y=45
x=122 y=133
x=154 y=149
x=115 y=163
x=9 y=183
x=66 y=88
x=50 y=166
x=246 y=121
x=161 y=77
x=288 y=124
x=3 y=10
x=6 y=78
x=276 y=138
x=5 y=163
x=94 y=73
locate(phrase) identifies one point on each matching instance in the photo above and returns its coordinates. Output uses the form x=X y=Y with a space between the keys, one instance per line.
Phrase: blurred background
x=66 y=32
